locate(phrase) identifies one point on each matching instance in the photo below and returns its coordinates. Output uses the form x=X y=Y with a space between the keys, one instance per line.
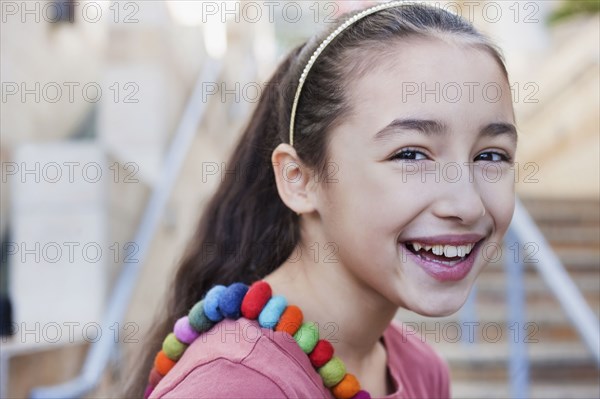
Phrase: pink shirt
x=239 y=359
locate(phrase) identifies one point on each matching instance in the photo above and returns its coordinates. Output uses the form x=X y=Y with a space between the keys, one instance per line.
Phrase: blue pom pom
x=211 y=303
x=272 y=311
x=230 y=300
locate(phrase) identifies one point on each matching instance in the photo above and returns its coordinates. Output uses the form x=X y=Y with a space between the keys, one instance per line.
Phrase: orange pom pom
x=290 y=320
x=162 y=363
x=346 y=388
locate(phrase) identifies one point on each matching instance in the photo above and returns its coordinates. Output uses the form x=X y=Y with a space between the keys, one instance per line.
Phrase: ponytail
x=245 y=231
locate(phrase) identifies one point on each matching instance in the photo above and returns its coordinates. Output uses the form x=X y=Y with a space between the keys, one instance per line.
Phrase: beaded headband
x=325 y=43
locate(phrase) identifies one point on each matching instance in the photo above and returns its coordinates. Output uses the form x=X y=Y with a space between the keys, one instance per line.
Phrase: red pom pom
x=154 y=377
x=321 y=354
x=255 y=300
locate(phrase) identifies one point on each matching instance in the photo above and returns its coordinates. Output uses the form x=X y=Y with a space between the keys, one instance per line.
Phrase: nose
x=460 y=199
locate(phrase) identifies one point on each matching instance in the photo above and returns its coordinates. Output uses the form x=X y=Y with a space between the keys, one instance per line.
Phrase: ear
x=293 y=179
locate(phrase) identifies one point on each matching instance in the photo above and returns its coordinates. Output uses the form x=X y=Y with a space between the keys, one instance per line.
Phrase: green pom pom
x=307 y=336
x=173 y=348
x=198 y=319
x=332 y=372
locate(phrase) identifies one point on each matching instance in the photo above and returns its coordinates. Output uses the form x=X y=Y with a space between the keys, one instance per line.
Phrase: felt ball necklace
x=272 y=311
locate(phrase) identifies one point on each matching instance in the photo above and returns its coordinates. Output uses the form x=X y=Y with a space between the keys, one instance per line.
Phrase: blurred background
x=117 y=116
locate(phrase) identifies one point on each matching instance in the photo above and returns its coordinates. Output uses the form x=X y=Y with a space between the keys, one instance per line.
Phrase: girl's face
x=423 y=160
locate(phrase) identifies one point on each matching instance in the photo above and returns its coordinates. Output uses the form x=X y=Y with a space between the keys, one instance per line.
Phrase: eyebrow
x=437 y=128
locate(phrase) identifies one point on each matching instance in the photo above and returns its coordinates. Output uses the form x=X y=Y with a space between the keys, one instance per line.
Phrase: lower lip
x=443 y=272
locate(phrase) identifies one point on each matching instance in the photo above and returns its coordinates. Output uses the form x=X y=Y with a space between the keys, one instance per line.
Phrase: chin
x=437 y=311
x=440 y=305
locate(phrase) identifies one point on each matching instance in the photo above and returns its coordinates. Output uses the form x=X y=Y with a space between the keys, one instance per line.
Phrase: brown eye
x=409 y=155
x=492 y=156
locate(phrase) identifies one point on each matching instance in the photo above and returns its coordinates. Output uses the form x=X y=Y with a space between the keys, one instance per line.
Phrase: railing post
x=518 y=363
x=558 y=280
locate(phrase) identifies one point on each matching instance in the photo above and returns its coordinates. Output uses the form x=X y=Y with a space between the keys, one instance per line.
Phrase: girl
x=378 y=133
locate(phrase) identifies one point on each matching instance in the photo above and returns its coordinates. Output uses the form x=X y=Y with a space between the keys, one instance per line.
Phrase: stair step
x=567 y=362
x=497 y=312
x=498 y=390
x=492 y=291
x=497 y=354
x=579 y=234
x=572 y=257
x=557 y=210
x=575 y=259
x=534 y=284
x=543 y=324
x=54 y=364
x=537 y=305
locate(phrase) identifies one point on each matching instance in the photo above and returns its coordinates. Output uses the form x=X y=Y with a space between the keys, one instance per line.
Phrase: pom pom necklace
x=273 y=312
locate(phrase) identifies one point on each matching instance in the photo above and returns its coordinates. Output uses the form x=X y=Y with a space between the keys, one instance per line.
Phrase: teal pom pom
x=198 y=319
x=272 y=311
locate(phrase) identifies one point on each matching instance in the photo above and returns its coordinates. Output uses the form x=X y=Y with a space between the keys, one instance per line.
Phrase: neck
x=350 y=314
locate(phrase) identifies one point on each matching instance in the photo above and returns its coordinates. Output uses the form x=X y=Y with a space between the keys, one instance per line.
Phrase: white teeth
x=449 y=251
x=438 y=249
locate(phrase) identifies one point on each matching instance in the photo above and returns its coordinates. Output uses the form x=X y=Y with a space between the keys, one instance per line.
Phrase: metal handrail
x=523 y=230
x=518 y=362
x=99 y=354
x=558 y=280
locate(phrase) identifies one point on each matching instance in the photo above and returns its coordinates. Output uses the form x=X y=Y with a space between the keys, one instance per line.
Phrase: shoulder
x=238 y=358
x=419 y=363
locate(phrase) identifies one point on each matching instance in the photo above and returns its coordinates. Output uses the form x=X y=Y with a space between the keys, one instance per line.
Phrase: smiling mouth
x=443 y=254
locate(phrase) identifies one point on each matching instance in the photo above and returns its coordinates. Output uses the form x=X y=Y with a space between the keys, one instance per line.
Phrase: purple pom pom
x=148 y=391
x=362 y=395
x=184 y=331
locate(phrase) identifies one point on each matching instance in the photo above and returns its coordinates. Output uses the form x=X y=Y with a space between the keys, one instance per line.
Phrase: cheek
x=364 y=212
x=375 y=204
x=499 y=198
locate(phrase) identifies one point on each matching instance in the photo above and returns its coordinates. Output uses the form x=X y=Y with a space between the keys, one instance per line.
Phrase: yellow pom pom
x=172 y=347
x=332 y=372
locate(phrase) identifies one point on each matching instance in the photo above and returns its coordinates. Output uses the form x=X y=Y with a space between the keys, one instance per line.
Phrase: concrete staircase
x=560 y=364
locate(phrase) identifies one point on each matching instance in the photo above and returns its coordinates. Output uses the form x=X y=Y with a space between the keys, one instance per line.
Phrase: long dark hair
x=246 y=231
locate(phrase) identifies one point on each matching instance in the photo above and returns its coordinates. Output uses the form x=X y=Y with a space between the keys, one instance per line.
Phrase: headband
x=322 y=46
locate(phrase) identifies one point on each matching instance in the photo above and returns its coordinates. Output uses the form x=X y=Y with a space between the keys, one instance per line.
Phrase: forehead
x=442 y=79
